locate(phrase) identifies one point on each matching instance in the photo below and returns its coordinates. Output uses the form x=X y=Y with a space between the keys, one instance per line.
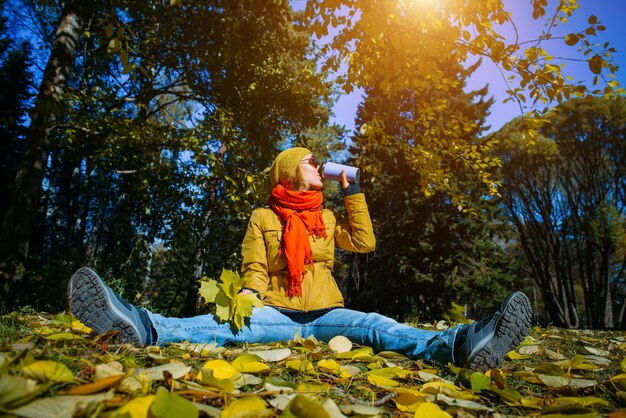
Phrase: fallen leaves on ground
x=58 y=367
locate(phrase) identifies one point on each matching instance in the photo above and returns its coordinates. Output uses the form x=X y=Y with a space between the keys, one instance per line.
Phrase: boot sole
x=510 y=330
x=90 y=303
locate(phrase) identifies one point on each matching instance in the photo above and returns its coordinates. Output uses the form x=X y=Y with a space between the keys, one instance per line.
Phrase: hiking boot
x=482 y=345
x=98 y=307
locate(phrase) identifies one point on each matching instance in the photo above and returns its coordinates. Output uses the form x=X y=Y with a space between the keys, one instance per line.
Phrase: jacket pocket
x=272 y=240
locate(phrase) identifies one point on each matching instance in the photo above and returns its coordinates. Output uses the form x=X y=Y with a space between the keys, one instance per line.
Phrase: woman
x=288 y=257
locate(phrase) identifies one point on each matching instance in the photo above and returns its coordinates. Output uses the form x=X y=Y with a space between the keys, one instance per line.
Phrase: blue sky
x=609 y=12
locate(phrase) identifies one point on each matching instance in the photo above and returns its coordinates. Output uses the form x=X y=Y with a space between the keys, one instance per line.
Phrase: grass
x=12 y=329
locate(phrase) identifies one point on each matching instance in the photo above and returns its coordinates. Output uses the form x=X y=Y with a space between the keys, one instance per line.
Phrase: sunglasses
x=312 y=160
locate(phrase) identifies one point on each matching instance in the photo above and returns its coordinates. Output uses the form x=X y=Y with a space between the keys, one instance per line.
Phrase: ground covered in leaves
x=53 y=366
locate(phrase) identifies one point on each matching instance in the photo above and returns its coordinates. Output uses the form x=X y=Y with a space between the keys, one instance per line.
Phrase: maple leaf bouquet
x=227 y=304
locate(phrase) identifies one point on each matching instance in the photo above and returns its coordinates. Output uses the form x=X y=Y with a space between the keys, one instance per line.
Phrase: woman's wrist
x=353 y=188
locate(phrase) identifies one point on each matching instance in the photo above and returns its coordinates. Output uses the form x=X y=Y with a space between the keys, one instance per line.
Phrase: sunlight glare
x=418 y=2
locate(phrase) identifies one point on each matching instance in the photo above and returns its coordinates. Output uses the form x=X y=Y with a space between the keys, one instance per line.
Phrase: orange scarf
x=301 y=215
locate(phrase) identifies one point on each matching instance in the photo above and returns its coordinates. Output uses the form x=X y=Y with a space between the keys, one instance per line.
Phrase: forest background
x=136 y=138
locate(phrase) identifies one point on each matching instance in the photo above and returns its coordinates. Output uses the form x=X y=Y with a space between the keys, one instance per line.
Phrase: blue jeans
x=268 y=324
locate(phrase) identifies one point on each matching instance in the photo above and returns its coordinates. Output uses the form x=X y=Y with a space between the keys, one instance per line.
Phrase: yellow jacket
x=265 y=271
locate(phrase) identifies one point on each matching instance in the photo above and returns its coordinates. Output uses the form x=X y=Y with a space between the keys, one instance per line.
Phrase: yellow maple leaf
x=208 y=290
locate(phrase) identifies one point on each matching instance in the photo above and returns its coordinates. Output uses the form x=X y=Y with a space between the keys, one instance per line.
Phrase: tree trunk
x=18 y=220
x=190 y=307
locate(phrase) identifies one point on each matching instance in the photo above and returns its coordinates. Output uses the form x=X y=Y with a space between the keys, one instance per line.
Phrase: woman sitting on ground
x=288 y=256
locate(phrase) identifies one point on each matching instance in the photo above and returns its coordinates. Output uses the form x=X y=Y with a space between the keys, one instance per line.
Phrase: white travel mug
x=332 y=171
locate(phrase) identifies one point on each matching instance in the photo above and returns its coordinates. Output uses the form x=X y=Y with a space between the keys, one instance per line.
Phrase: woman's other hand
x=344 y=180
x=348 y=188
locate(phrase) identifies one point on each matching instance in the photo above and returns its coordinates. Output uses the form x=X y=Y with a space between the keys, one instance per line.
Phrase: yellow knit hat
x=285 y=164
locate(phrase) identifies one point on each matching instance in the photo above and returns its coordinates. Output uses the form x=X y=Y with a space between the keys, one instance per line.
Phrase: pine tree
x=432 y=249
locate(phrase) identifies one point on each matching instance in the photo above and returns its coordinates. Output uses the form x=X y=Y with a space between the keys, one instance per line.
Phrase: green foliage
x=565 y=197
x=16 y=78
x=150 y=153
x=229 y=305
x=11 y=329
x=456 y=314
x=393 y=46
x=161 y=142
x=432 y=249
